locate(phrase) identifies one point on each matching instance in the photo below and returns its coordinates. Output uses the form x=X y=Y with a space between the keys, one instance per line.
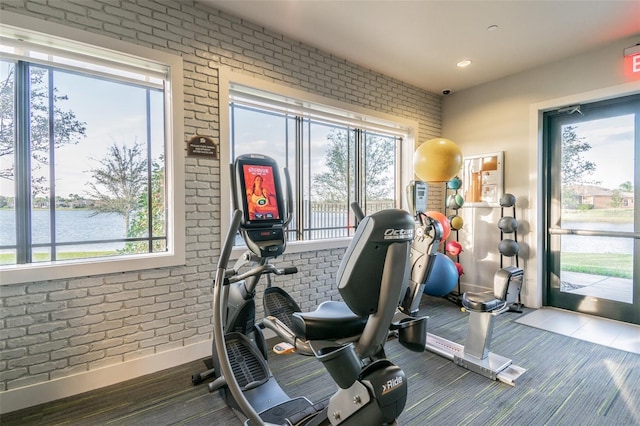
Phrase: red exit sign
x=635 y=63
x=632 y=60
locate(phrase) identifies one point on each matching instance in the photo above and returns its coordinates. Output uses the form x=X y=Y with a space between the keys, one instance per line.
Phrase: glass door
x=592 y=157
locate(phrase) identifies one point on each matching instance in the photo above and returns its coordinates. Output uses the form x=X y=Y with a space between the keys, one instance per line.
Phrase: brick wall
x=54 y=329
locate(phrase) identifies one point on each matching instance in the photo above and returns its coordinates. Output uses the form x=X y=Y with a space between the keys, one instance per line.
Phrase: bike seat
x=331 y=320
x=481 y=302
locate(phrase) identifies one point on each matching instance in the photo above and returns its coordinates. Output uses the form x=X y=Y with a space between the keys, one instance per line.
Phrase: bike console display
x=258 y=193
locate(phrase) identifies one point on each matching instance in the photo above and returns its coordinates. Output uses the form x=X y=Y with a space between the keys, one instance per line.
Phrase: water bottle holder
x=412 y=333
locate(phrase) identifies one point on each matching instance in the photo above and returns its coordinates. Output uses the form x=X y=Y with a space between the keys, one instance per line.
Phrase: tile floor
x=615 y=334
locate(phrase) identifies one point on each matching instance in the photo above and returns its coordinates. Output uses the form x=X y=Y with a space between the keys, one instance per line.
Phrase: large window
x=85 y=147
x=335 y=156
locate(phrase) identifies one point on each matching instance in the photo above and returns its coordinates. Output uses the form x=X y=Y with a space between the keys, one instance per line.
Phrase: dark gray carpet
x=568 y=382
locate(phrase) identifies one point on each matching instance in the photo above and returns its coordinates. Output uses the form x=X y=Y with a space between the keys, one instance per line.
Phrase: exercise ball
x=507 y=200
x=443 y=277
x=508 y=248
x=453 y=248
x=456 y=222
x=437 y=160
x=454 y=183
x=459 y=268
x=444 y=222
x=455 y=201
x=508 y=224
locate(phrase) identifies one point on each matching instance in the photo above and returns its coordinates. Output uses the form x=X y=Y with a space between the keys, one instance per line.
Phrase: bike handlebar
x=231 y=276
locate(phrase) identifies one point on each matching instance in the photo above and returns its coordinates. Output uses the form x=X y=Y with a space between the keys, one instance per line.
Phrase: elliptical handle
x=225 y=252
x=357 y=211
x=287 y=179
x=290 y=270
x=218 y=320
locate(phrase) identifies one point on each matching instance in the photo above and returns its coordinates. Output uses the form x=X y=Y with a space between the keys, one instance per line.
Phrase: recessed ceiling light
x=464 y=63
x=492 y=27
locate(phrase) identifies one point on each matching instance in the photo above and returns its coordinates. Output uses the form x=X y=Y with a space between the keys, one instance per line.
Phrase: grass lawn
x=599 y=215
x=612 y=265
x=9 y=258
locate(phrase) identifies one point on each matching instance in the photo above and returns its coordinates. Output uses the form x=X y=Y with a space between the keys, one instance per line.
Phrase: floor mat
x=614 y=334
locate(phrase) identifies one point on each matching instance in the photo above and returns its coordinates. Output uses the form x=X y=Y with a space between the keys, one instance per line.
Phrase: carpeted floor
x=567 y=382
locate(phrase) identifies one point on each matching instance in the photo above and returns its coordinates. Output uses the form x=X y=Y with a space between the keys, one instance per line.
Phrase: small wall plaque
x=202 y=146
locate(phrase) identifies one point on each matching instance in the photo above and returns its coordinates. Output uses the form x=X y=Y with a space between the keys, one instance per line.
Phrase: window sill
x=47 y=271
x=303 y=246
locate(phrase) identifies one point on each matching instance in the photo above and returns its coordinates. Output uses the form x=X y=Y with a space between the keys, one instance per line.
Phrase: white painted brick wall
x=54 y=329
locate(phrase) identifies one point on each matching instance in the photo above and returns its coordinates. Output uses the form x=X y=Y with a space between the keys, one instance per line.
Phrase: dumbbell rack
x=515 y=307
x=454 y=296
x=515 y=233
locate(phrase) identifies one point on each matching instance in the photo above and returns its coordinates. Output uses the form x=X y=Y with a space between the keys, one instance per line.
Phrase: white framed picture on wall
x=483 y=179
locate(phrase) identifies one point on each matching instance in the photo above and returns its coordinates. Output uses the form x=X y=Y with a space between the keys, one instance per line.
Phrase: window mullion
x=149 y=174
x=22 y=169
x=52 y=173
x=359 y=192
x=399 y=171
x=301 y=212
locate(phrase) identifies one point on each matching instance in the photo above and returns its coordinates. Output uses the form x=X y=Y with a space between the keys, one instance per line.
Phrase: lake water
x=71 y=226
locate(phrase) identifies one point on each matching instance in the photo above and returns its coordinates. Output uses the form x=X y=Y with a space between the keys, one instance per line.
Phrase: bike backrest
x=374 y=272
x=363 y=265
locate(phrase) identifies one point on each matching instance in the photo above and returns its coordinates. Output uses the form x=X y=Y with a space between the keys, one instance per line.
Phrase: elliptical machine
x=347 y=337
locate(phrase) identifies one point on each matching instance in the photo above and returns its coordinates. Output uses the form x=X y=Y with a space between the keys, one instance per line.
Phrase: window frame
x=228 y=79
x=58 y=36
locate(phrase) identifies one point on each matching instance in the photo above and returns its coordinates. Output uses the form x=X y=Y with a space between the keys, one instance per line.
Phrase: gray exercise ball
x=508 y=200
x=508 y=247
x=508 y=224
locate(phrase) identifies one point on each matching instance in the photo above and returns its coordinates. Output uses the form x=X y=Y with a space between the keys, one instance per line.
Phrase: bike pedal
x=284 y=348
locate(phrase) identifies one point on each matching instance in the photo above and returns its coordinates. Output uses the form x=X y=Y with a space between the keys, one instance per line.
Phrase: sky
x=118 y=116
x=612 y=149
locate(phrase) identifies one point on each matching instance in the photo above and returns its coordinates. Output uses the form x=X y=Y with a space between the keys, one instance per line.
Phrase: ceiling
x=421 y=41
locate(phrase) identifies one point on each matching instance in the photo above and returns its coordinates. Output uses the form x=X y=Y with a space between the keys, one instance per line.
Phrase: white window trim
x=227 y=78
x=174 y=163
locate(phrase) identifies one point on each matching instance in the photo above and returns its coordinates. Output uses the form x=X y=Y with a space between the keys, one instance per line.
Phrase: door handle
x=585 y=233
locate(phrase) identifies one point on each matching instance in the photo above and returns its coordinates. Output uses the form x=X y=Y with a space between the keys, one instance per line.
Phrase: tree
x=626 y=186
x=616 y=199
x=67 y=129
x=333 y=185
x=120 y=182
x=575 y=168
x=140 y=222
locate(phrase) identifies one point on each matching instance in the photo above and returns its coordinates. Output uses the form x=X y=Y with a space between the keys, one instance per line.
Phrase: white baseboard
x=39 y=393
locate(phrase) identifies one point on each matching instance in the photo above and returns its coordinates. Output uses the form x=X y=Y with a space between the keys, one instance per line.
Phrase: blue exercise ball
x=443 y=277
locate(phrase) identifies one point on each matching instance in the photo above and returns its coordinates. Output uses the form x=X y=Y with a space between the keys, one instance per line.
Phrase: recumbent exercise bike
x=348 y=337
